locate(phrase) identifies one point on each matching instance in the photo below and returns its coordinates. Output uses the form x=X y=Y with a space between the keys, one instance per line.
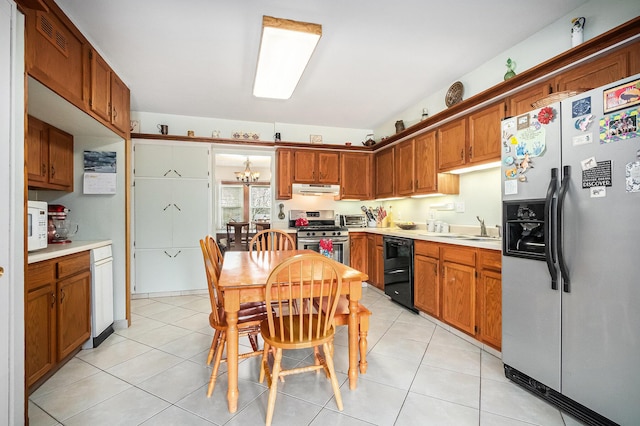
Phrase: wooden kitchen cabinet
x=57 y=313
x=520 y=102
x=284 y=174
x=375 y=261
x=452 y=145
x=472 y=140
x=599 y=72
x=358 y=243
x=459 y=287
x=484 y=134
x=54 y=51
x=109 y=97
x=404 y=167
x=355 y=175
x=426 y=279
x=384 y=173
x=311 y=166
x=49 y=156
x=489 y=309
x=427 y=178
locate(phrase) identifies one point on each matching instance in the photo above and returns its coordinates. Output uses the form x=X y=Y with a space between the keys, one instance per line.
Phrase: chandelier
x=247 y=176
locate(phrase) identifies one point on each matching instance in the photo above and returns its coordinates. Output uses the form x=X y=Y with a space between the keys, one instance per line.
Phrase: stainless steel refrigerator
x=571 y=253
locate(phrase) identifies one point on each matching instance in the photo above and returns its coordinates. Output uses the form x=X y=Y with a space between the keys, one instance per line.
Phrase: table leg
x=353 y=342
x=231 y=307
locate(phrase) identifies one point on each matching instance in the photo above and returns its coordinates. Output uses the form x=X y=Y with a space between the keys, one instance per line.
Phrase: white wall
x=601 y=16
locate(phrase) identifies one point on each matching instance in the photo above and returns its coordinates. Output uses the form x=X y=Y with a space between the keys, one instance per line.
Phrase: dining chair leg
x=334 y=379
x=364 y=331
x=253 y=339
x=273 y=389
x=214 y=345
x=264 y=366
x=216 y=364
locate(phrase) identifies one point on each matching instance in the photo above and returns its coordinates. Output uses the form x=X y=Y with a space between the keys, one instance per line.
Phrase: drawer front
x=463 y=256
x=73 y=264
x=426 y=248
x=40 y=273
x=490 y=259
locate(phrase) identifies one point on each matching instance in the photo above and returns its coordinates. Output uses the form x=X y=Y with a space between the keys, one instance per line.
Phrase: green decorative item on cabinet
x=510 y=72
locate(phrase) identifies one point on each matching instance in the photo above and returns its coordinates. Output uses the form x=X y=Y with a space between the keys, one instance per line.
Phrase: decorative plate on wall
x=454 y=94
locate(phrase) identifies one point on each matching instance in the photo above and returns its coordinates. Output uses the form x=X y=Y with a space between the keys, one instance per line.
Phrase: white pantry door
x=11 y=217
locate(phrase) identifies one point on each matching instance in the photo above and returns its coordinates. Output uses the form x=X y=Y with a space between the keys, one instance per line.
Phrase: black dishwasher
x=398 y=270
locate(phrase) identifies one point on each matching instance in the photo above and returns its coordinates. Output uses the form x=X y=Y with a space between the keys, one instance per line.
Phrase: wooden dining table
x=244 y=278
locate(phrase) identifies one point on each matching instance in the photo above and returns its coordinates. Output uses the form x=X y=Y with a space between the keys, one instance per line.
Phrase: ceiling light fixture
x=247 y=176
x=285 y=49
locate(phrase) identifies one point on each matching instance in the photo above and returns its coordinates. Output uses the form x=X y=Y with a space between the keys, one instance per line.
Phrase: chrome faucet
x=483 y=229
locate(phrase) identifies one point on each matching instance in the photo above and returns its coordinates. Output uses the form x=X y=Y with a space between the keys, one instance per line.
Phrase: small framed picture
x=315 y=138
x=135 y=126
x=622 y=96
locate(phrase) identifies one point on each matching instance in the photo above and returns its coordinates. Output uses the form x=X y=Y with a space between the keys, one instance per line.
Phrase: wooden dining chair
x=215 y=252
x=341 y=317
x=250 y=317
x=298 y=280
x=271 y=240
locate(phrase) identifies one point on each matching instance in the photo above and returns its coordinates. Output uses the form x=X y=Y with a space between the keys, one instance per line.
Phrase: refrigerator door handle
x=549 y=253
x=566 y=175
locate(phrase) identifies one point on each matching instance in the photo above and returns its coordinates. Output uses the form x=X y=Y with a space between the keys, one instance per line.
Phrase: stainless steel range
x=315 y=225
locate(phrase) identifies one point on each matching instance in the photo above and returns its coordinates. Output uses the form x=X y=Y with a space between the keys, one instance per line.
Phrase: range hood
x=315 y=189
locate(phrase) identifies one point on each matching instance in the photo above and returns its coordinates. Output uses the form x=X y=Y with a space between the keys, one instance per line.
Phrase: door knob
x=1 y=271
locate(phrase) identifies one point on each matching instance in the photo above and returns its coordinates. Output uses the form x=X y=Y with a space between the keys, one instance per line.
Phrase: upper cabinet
x=427 y=179
x=384 y=173
x=284 y=174
x=49 y=156
x=596 y=73
x=355 y=175
x=311 y=166
x=109 y=97
x=474 y=139
x=175 y=161
x=61 y=58
x=54 y=53
x=520 y=102
x=404 y=167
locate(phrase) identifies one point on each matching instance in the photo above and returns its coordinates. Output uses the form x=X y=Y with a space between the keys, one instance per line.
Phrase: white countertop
x=57 y=250
x=421 y=234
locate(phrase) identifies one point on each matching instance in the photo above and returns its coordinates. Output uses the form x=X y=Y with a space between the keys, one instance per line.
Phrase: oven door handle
x=396 y=271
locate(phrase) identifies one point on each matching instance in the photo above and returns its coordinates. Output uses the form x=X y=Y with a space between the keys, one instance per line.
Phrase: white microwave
x=36 y=225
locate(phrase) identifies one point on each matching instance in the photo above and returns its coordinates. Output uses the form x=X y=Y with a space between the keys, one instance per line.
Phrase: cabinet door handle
x=168 y=205
x=53 y=171
x=176 y=172
x=167 y=172
x=53 y=299
x=435 y=270
x=177 y=208
x=61 y=295
x=176 y=255
x=462 y=153
x=44 y=169
x=165 y=252
x=470 y=152
x=115 y=113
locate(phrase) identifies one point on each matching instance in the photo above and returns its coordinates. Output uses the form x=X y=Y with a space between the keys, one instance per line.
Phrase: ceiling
x=375 y=59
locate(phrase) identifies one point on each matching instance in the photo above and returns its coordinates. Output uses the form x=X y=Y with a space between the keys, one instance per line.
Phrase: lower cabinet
x=459 y=287
x=462 y=286
x=366 y=256
x=170 y=269
x=426 y=295
x=57 y=313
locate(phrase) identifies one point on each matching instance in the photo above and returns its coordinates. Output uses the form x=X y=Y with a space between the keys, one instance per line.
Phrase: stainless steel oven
x=320 y=225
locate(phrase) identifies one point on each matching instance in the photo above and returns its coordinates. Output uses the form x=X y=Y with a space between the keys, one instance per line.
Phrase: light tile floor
x=155 y=373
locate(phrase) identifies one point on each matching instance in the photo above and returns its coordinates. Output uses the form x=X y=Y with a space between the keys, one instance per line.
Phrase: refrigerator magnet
x=589 y=163
x=582 y=139
x=632 y=175
x=581 y=107
x=598 y=191
x=584 y=123
x=510 y=187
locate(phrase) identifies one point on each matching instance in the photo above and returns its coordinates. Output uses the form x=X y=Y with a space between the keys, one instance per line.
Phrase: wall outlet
x=460 y=207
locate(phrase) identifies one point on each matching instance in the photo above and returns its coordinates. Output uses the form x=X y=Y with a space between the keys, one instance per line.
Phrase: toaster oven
x=353 y=220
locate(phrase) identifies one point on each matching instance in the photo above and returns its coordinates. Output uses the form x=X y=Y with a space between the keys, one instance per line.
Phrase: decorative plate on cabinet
x=454 y=94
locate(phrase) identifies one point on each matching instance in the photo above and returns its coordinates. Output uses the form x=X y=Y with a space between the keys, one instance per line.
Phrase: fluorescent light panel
x=486 y=166
x=285 y=49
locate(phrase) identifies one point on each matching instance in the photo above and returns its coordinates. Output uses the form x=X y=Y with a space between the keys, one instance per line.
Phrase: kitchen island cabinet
x=57 y=313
